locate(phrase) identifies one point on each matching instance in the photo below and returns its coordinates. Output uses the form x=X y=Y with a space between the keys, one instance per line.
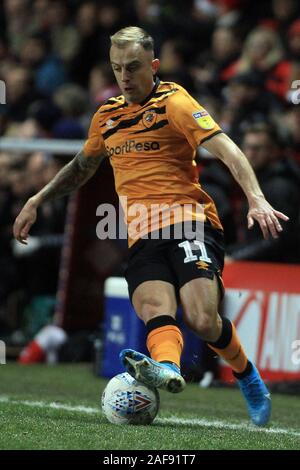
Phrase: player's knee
x=204 y=325
x=149 y=308
x=152 y=304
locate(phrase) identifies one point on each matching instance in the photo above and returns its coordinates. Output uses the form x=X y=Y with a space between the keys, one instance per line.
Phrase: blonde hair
x=132 y=34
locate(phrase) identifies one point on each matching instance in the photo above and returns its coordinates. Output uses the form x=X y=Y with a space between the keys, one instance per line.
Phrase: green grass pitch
x=58 y=407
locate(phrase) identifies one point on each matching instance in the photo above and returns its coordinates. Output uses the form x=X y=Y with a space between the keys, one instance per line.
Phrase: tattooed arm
x=69 y=178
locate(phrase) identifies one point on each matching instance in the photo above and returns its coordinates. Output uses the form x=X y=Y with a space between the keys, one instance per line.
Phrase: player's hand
x=267 y=217
x=24 y=221
x=33 y=244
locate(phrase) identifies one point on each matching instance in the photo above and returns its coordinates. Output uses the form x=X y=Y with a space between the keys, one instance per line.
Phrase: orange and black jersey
x=152 y=147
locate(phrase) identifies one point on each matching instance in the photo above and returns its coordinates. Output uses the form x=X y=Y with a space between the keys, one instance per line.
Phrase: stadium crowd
x=240 y=59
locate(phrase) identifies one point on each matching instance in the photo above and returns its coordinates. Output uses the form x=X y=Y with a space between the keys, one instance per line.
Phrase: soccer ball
x=128 y=401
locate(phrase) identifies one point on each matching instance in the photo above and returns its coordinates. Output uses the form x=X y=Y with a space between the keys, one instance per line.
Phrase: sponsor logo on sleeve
x=204 y=120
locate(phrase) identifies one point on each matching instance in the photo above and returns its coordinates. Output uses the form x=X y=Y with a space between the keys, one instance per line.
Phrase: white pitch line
x=225 y=425
x=217 y=424
x=53 y=405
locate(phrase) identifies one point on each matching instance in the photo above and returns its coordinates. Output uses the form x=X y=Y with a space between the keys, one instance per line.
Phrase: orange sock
x=165 y=343
x=233 y=353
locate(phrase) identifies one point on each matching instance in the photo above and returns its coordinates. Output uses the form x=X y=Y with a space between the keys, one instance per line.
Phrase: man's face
x=134 y=68
x=259 y=149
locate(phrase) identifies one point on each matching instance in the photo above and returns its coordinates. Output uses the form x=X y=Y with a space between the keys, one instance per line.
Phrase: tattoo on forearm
x=71 y=176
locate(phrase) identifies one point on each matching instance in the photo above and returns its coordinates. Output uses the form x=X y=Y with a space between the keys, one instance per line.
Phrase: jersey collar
x=148 y=97
x=156 y=84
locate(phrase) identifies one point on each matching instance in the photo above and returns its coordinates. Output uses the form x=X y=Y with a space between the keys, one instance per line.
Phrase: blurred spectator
x=65 y=116
x=31 y=270
x=149 y=16
x=14 y=191
x=284 y=12
x=246 y=103
x=279 y=179
x=109 y=20
x=217 y=181
x=216 y=67
x=72 y=100
x=205 y=10
x=17 y=23
x=102 y=84
x=287 y=70
x=49 y=71
x=237 y=13
x=5 y=253
x=41 y=117
x=39 y=15
x=19 y=93
x=3 y=48
x=173 y=63
x=35 y=167
x=68 y=129
x=262 y=50
x=63 y=34
x=294 y=40
x=90 y=49
x=290 y=127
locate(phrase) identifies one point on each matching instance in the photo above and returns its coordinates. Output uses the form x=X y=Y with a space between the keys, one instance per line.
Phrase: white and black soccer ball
x=128 y=401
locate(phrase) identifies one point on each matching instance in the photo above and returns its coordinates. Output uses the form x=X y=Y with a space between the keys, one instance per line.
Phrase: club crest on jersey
x=149 y=117
x=204 y=120
x=110 y=123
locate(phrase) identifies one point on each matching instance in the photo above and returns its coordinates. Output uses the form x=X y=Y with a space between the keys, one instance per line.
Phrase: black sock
x=242 y=375
x=162 y=320
x=226 y=335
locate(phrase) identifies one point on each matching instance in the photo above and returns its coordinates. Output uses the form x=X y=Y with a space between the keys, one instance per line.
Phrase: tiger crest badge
x=149 y=117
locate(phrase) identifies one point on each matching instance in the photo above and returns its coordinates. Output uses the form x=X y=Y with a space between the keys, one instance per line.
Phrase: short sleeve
x=94 y=145
x=189 y=118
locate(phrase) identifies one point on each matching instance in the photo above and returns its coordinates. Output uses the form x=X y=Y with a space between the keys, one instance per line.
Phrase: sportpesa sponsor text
x=132 y=146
